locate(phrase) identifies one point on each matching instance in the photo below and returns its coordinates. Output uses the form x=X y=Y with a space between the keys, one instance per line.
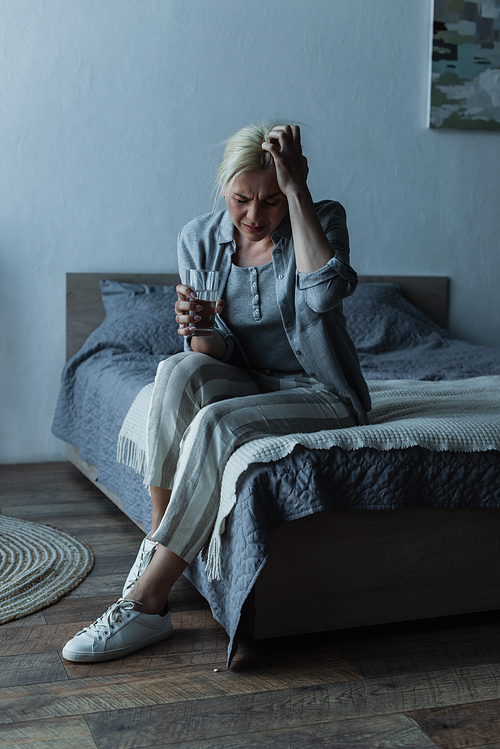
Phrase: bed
x=341 y=533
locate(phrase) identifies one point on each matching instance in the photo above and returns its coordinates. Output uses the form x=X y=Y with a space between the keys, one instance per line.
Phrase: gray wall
x=112 y=113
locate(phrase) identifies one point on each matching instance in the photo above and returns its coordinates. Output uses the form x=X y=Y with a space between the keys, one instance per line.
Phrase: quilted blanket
x=456 y=416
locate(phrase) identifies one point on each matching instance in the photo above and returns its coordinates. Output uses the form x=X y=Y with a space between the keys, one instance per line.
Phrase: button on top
x=281 y=276
x=289 y=324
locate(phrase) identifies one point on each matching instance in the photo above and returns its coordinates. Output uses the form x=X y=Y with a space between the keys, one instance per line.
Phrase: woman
x=280 y=362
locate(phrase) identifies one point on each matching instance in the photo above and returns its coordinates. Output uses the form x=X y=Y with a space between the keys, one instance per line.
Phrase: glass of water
x=205 y=284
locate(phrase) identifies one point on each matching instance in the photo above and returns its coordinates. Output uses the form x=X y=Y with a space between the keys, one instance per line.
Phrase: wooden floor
x=426 y=684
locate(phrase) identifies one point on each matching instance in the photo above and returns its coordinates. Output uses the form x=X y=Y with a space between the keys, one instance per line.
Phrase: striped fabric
x=200 y=412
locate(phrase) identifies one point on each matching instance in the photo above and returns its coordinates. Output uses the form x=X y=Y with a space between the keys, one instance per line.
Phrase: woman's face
x=256 y=205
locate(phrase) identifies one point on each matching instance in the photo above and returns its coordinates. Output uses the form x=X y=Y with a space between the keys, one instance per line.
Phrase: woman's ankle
x=147 y=608
x=146 y=604
x=153 y=587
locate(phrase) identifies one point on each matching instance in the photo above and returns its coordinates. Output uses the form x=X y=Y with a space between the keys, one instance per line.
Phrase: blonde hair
x=243 y=153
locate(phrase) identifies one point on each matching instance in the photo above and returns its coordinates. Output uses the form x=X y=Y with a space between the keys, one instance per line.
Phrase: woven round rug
x=38 y=566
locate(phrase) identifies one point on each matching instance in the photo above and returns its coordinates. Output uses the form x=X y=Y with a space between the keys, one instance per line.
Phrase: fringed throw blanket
x=131 y=447
x=456 y=416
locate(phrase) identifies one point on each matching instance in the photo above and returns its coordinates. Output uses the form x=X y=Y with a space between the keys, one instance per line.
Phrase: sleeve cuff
x=229 y=348
x=334 y=267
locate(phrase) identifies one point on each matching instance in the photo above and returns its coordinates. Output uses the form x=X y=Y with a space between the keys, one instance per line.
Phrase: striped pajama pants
x=201 y=411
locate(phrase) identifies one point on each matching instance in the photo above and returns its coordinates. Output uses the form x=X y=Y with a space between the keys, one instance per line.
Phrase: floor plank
x=31 y=669
x=424 y=654
x=115 y=565
x=45 y=474
x=460 y=726
x=148 y=689
x=97 y=525
x=105 y=586
x=284 y=709
x=381 y=732
x=18 y=641
x=23 y=504
x=48 y=734
x=27 y=621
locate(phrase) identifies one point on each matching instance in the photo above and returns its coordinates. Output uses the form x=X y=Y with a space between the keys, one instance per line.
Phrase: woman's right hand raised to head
x=187 y=313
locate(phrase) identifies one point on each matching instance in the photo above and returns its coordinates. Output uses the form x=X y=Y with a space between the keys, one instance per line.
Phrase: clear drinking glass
x=205 y=284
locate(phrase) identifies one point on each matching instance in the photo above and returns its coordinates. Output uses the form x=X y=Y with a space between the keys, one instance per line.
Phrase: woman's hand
x=187 y=313
x=312 y=248
x=291 y=164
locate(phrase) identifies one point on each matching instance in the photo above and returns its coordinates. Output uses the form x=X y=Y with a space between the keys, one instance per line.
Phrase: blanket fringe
x=128 y=452
x=213 y=570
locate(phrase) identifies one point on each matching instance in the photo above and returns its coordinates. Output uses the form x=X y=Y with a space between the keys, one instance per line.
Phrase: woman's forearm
x=312 y=248
x=215 y=346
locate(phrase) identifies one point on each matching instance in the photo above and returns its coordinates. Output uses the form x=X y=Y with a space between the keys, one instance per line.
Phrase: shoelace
x=140 y=570
x=149 y=552
x=105 y=623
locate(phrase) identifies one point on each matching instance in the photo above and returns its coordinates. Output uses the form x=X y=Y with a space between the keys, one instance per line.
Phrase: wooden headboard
x=85 y=311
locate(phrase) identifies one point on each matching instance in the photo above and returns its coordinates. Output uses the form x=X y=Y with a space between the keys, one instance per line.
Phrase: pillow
x=139 y=321
x=380 y=319
x=114 y=293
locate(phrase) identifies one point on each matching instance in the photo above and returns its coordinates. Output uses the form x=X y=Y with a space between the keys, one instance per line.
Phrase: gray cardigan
x=310 y=303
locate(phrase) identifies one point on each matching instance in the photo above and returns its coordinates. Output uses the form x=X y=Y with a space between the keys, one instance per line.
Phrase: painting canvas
x=465 y=69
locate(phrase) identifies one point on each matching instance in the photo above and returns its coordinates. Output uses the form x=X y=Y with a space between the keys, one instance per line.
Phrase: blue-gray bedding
x=394 y=341
x=100 y=382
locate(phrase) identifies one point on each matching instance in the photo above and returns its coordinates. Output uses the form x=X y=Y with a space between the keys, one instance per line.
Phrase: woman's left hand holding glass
x=187 y=312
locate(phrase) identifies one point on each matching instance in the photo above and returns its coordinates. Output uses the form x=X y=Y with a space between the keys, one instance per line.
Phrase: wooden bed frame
x=346 y=569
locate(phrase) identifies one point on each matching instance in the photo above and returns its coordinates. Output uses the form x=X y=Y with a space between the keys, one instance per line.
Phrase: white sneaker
x=143 y=558
x=121 y=630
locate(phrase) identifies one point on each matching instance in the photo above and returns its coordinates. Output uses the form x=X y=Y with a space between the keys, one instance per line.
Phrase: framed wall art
x=465 y=67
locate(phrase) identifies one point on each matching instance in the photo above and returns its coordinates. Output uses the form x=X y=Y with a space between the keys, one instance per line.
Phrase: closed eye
x=239 y=200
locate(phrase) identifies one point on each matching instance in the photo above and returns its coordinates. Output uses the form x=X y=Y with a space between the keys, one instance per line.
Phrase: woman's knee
x=219 y=419
x=181 y=371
